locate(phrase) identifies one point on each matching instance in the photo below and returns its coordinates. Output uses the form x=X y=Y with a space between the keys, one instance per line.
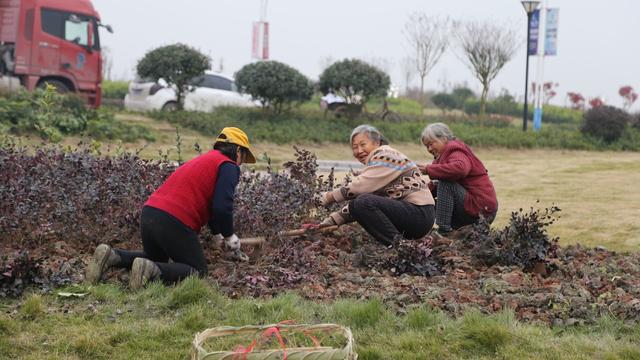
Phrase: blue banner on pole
x=551 y=33
x=534 y=25
x=537 y=119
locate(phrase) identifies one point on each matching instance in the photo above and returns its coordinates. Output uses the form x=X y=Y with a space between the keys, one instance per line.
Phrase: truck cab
x=52 y=42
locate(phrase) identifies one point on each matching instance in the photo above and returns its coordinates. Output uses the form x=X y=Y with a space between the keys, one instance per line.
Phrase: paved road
x=338 y=165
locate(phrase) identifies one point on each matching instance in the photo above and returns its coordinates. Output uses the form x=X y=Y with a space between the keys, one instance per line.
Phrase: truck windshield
x=71 y=27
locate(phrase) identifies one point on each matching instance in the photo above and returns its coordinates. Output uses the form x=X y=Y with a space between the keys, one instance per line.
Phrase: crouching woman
x=199 y=192
x=389 y=198
x=461 y=183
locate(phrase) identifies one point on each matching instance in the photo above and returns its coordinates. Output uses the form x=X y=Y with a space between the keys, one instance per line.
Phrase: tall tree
x=486 y=48
x=428 y=37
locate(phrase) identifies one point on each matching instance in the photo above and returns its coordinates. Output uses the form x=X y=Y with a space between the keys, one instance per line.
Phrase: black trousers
x=166 y=238
x=386 y=219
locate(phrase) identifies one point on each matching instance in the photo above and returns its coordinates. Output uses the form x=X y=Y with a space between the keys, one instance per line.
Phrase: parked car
x=208 y=92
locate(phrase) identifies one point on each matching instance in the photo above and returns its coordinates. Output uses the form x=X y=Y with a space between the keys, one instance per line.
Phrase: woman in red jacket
x=459 y=180
x=198 y=193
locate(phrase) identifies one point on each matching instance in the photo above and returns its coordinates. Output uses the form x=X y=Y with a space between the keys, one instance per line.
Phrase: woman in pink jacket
x=389 y=198
x=459 y=180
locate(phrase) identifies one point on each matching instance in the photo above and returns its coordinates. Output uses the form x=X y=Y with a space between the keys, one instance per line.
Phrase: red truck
x=54 y=42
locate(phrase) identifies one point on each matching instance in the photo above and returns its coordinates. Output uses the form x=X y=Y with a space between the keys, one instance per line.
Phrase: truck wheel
x=171 y=106
x=61 y=88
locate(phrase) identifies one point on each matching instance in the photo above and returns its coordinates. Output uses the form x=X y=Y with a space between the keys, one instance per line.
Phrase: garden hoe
x=306 y=229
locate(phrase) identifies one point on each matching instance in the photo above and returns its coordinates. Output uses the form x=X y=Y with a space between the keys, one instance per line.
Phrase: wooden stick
x=303 y=231
x=253 y=240
x=260 y=239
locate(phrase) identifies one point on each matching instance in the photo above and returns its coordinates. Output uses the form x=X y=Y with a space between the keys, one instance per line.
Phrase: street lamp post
x=529 y=7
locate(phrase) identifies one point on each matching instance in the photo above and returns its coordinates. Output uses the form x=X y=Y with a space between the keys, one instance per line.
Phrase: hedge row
x=313 y=126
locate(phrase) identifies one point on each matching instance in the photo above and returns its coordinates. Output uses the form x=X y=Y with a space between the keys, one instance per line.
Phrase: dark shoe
x=104 y=257
x=143 y=271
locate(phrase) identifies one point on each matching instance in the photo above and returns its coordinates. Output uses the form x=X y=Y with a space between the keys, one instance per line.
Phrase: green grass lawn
x=159 y=322
x=597 y=194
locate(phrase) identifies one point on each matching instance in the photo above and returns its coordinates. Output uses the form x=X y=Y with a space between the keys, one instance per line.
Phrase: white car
x=208 y=92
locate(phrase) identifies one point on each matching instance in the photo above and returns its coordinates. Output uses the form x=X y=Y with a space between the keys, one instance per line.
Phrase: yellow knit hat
x=233 y=135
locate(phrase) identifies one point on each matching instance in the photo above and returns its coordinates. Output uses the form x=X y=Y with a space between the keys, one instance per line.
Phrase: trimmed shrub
x=177 y=64
x=276 y=85
x=605 y=122
x=461 y=94
x=355 y=80
x=444 y=101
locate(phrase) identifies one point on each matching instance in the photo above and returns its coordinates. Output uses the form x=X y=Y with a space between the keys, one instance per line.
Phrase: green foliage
x=605 y=122
x=139 y=325
x=312 y=126
x=274 y=84
x=114 y=89
x=359 y=315
x=53 y=116
x=444 y=101
x=635 y=121
x=484 y=335
x=7 y=326
x=177 y=64
x=189 y=291
x=506 y=105
x=461 y=94
x=401 y=105
x=423 y=318
x=355 y=80
x=32 y=308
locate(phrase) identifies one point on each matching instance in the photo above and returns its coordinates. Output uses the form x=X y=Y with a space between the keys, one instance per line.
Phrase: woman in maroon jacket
x=459 y=180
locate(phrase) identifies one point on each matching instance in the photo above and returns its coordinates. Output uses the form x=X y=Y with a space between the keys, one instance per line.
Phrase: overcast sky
x=598 y=46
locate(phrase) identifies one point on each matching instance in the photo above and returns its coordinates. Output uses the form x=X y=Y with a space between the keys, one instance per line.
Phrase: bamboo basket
x=198 y=352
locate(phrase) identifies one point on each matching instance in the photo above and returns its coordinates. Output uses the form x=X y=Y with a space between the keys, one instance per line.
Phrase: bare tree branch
x=428 y=38
x=486 y=48
x=408 y=67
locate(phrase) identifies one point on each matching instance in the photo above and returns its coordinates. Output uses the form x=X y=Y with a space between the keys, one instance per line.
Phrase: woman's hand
x=423 y=168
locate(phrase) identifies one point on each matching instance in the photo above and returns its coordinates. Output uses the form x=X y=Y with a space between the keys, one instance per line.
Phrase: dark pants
x=165 y=238
x=387 y=219
x=450 y=213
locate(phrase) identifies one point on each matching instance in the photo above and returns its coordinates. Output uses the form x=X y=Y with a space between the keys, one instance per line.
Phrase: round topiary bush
x=177 y=64
x=354 y=80
x=274 y=84
x=444 y=101
x=605 y=122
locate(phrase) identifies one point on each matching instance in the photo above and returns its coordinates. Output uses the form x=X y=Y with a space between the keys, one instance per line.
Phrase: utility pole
x=529 y=8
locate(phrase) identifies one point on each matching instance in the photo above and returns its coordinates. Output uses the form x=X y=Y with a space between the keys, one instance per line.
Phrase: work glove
x=217 y=240
x=232 y=242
